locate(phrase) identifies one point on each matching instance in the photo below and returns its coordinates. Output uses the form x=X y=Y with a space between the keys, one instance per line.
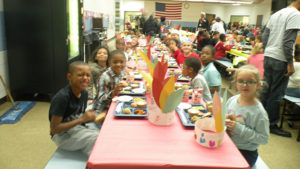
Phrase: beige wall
x=222 y=10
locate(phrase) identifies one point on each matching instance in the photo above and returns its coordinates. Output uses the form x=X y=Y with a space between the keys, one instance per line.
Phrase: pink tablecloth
x=138 y=144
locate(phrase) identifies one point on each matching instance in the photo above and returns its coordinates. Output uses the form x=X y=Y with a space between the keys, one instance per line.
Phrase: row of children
x=71 y=122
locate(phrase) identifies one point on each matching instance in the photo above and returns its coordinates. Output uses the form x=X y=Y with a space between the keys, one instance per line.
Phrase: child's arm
x=258 y=135
x=57 y=126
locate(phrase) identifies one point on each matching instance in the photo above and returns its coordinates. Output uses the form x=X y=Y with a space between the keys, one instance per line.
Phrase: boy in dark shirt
x=68 y=115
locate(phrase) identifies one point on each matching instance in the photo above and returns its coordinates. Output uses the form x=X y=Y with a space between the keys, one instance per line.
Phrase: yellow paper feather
x=217 y=112
x=148 y=61
x=147 y=77
x=166 y=91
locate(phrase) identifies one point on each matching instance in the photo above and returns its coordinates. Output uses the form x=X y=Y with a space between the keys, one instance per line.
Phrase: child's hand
x=117 y=89
x=88 y=116
x=230 y=69
x=230 y=124
x=89 y=102
x=100 y=118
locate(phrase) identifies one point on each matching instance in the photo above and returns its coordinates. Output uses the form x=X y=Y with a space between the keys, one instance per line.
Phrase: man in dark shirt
x=203 y=22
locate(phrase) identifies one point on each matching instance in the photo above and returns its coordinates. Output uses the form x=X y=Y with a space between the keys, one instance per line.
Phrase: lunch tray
x=184 y=115
x=132 y=109
x=132 y=93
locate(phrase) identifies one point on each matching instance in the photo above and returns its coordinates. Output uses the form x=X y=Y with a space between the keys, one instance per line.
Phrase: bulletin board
x=104 y=9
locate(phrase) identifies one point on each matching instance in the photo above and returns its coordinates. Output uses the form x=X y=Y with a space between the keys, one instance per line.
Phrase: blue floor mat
x=13 y=115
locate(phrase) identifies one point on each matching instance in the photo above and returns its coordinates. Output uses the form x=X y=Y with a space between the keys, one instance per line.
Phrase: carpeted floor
x=27 y=144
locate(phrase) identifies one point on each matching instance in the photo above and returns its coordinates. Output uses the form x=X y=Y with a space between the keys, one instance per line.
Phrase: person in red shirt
x=187 y=51
x=174 y=46
x=221 y=49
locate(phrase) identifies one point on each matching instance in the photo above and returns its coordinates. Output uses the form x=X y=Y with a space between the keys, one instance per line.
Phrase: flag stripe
x=169 y=10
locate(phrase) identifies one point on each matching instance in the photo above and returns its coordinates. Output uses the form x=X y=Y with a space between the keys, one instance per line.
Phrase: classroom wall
x=107 y=7
x=224 y=11
x=3 y=56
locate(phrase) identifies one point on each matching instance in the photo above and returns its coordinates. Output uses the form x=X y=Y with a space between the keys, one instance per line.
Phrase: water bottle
x=197 y=95
x=186 y=95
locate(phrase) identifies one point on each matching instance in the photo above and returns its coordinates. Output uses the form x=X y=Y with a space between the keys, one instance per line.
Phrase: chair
x=63 y=159
x=292 y=100
x=296 y=115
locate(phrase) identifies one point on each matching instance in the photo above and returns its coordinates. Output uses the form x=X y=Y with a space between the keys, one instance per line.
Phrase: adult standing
x=279 y=40
x=150 y=27
x=161 y=23
x=218 y=26
x=203 y=22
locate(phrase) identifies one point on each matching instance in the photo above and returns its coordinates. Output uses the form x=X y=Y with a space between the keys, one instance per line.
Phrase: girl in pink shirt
x=257 y=58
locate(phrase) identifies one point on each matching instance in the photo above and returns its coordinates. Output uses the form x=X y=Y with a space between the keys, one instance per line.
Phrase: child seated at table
x=190 y=68
x=247 y=121
x=293 y=88
x=240 y=40
x=214 y=40
x=187 y=51
x=120 y=45
x=221 y=49
x=69 y=120
x=97 y=67
x=174 y=47
x=134 y=43
x=109 y=84
x=209 y=71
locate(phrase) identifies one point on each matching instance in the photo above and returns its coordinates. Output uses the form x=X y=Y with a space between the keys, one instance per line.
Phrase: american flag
x=172 y=11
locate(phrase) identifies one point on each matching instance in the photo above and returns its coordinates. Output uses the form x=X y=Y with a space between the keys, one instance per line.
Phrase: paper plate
x=125 y=98
x=184 y=105
x=138 y=90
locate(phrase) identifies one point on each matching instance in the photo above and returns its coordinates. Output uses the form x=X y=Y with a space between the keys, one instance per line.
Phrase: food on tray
x=123 y=84
x=172 y=71
x=141 y=104
x=138 y=99
x=209 y=106
x=139 y=112
x=193 y=112
x=186 y=86
x=194 y=119
x=126 y=111
x=178 y=85
x=200 y=114
x=198 y=107
x=124 y=91
x=134 y=105
x=208 y=114
x=183 y=78
x=134 y=85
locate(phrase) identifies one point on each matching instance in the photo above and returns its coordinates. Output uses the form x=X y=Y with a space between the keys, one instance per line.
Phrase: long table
x=138 y=144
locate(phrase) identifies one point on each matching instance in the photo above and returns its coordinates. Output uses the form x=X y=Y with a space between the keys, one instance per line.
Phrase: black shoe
x=278 y=131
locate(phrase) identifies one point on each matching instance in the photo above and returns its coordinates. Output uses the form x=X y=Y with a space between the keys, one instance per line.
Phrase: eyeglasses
x=247 y=83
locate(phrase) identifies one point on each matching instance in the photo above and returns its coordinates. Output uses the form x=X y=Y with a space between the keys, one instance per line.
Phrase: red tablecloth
x=138 y=144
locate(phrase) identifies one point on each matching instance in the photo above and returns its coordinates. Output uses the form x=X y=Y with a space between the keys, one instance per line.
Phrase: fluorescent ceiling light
x=236 y=4
x=223 y=2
